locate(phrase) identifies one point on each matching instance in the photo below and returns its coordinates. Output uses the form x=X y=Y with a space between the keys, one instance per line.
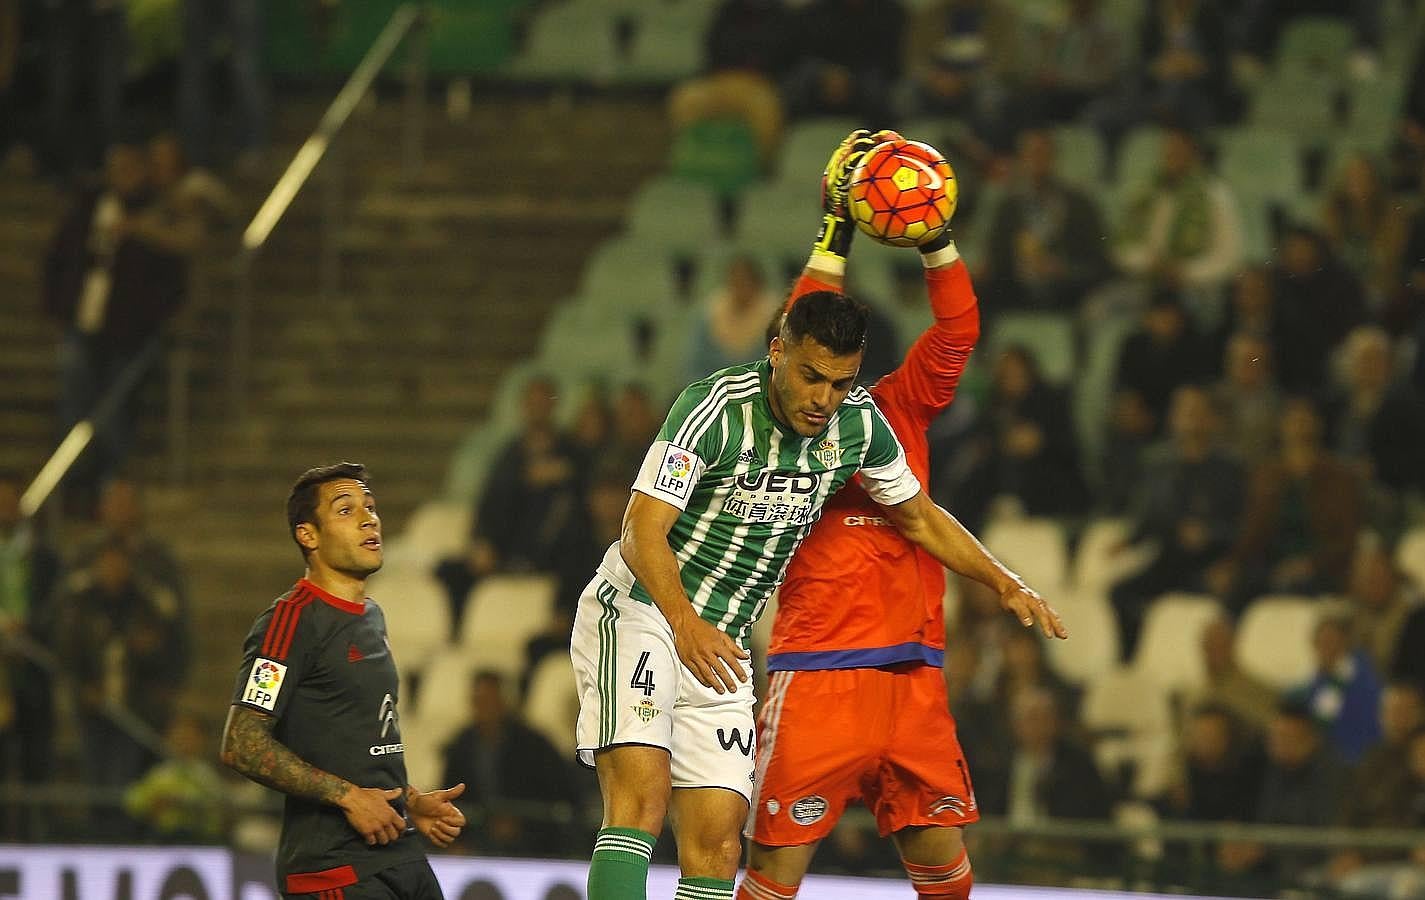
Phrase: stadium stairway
x=446 y=281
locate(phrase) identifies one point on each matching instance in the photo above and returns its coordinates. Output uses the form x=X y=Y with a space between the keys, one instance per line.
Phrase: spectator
x=1248 y=398
x=848 y=55
x=730 y=326
x=117 y=643
x=181 y=799
x=1381 y=795
x=1304 y=785
x=1363 y=223
x=187 y=203
x=512 y=774
x=1400 y=875
x=1222 y=769
x=1379 y=419
x=238 y=25
x=1191 y=499
x=1318 y=302
x=746 y=55
x=1344 y=691
x=1131 y=430
x=1250 y=701
x=635 y=424
x=979 y=718
x=1184 y=230
x=1299 y=527
x=122 y=519
x=1046 y=238
x=956 y=85
x=112 y=291
x=1184 y=45
x=1251 y=309
x=1165 y=353
x=1075 y=61
x=531 y=506
x=1383 y=604
x=29 y=571
x=1024 y=448
x=1024 y=665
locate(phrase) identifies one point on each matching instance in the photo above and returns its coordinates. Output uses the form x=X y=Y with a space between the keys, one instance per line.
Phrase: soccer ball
x=903 y=193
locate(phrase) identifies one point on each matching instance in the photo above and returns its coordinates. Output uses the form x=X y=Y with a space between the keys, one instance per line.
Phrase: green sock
x=619 y=868
x=703 y=889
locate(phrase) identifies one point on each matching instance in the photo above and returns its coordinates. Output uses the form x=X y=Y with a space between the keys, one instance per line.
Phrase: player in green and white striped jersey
x=733 y=482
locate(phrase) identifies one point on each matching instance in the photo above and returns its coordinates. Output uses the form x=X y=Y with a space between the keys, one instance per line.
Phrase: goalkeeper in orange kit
x=857 y=707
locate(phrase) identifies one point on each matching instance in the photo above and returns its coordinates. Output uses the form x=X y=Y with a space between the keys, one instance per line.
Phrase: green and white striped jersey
x=750 y=488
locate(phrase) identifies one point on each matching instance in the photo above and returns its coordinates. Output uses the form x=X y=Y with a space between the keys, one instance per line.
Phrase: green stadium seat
x=568 y=42
x=1080 y=155
x=582 y=342
x=1313 y=45
x=1375 y=109
x=781 y=218
x=470 y=38
x=1258 y=239
x=711 y=269
x=675 y=214
x=1049 y=337
x=630 y=275
x=1261 y=164
x=807 y=147
x=720 y=153
x=1298 y=104
x=1138 y=159
x=666 y=49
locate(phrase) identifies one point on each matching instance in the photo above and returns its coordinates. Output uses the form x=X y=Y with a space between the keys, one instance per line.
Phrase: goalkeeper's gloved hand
x=834 y=239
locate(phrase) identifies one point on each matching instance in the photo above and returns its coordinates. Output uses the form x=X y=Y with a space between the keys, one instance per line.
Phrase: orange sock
x=950 y=882
x=756 y=886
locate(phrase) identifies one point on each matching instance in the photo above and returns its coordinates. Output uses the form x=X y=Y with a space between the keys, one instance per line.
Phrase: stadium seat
x=1049 y=337
x=1092 y=647
x=1261 y=164
x=1299 y=105
x=1097 y=567
x=807 y=147
x=425 y=762
x=1311 y=45
x=417 y=612
x=1131 y=720
x=667 y=46
x=552 y=706
x=1169 y=649
x=719 y=153
x=442 y=704
x=1035 y=548
x=1080 y=156
x=465 y=478
x=1375 y=108
x=436 y=530
x=502 y=613
x=779 y=217
x=674 y=214
x=1138 y=159
x=591 y=339
x=1410 y=556
x=1093 y=382
x=630 y=268
x=1274 y=637
x=568 y=41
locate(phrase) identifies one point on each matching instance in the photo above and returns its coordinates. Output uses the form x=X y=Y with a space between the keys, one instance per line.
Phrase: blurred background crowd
x=1194 y=421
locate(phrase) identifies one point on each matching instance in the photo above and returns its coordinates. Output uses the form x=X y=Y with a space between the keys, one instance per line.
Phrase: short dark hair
x=830 y=318
x=302 y=500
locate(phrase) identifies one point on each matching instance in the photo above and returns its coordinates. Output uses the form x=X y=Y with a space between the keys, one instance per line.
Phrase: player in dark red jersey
x=314 y=714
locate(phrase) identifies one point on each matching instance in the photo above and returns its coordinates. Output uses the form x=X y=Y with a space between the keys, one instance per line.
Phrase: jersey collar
x=345 y=606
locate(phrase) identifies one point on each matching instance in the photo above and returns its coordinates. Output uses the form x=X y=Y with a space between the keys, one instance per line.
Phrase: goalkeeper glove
x=833 y=241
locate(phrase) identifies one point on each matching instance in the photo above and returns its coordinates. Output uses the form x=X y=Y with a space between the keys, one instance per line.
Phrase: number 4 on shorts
x=642 y=675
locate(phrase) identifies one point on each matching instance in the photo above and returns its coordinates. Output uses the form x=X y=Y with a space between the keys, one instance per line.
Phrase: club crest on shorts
x=809 y=810
x=773 y=807
x=646 y=710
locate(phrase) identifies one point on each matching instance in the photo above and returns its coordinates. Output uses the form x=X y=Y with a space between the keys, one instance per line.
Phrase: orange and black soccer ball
x=903 y=193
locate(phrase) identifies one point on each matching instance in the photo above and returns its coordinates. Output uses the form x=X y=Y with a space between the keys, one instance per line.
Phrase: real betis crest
x=828 y=453
x=646 y=710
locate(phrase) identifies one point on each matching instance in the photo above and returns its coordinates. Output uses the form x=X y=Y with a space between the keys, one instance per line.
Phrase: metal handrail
x=404 y=22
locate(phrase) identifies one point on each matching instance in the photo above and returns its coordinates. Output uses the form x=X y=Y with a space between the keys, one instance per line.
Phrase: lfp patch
x=675 y=475
x=264 y=683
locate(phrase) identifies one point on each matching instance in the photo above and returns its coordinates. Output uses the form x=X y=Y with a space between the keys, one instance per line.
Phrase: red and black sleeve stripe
x=282 y=627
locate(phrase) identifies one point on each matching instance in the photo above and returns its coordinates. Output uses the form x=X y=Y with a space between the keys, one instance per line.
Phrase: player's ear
x=307 y=533
x=775 y=348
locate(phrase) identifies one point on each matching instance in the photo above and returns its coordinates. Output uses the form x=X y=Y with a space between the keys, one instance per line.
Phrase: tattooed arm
x=250 y=749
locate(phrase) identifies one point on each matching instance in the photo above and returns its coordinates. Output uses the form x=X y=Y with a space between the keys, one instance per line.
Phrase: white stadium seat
x=502 y=613
x=1092 y=647
x=1132 y=719
x=1274 y=638
x=552 y=706
x=1035 y=548
x=1170 y=647
x=442 y=704
x=438 y=529
x=417 y=613
x=1410 y=556
x=1096 y=566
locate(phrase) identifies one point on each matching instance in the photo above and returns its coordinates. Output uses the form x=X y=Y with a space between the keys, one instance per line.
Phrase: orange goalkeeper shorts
x=828 y=737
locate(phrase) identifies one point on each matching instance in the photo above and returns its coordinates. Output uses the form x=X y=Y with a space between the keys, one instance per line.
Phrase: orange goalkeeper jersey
x=857 y=594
